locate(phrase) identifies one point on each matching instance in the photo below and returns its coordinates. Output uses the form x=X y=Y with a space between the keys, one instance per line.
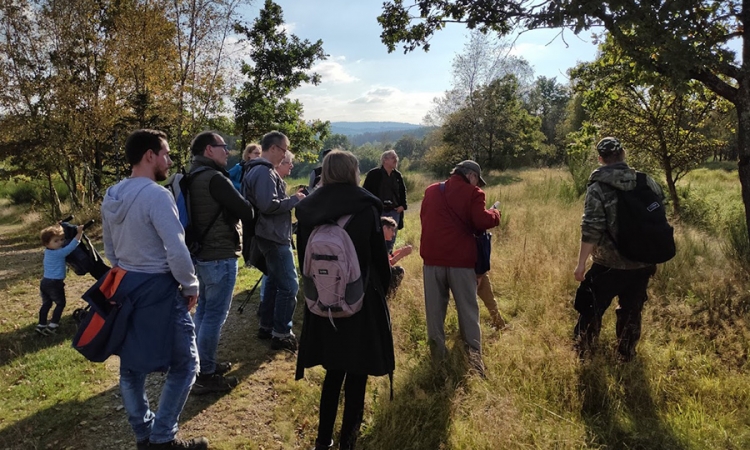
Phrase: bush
x=24 y=194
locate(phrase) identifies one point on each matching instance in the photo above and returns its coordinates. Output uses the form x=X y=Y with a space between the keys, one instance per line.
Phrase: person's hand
x=192 y=300
x=407 y=250
x=400 y=209
x=579 y=273
x=79 y=233
x=300 y=194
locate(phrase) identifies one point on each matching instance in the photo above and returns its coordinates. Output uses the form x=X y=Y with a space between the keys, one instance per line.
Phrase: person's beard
x=161 y=175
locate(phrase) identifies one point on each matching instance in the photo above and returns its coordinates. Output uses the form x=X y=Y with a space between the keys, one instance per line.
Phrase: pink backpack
x=333 y=282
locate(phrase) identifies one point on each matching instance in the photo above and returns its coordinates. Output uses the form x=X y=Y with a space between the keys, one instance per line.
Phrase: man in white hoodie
x=143 y=237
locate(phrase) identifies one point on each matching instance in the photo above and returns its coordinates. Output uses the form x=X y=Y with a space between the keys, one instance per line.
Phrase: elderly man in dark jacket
x=362 y=344
x=387 y=184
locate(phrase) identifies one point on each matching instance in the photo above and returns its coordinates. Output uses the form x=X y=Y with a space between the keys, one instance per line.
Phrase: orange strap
x=112 y=281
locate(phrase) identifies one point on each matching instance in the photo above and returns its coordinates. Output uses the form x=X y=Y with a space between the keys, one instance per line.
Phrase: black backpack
x=643 y=232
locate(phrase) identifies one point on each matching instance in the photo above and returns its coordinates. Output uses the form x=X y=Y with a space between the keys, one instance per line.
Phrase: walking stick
x=247 y=297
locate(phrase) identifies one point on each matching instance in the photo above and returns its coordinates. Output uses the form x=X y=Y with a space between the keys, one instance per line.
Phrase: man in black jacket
x=387 y=184
x=216 y=210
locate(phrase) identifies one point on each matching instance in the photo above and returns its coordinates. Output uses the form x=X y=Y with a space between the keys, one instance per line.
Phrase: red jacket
x=445 y=241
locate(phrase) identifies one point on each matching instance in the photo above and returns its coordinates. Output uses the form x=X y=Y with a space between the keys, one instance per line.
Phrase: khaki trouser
x=484 y=291
x=439 y=282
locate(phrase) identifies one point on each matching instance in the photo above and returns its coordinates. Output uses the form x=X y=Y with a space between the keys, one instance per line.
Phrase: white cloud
x=333 y=71
x=378 y=103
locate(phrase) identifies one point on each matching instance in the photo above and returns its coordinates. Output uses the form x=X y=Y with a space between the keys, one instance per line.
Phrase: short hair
x=288 y=155
x=272 y=138
x=463 y=171
x=387 y=155
x=339 y=166
x=198 y=146
x=141 y=141
x=48 y=233
x=249 y=149
x=386 y=221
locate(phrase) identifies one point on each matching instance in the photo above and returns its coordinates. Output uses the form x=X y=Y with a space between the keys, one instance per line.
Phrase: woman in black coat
x=360 y=345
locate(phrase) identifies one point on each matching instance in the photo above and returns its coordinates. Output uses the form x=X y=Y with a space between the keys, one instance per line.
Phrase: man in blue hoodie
x=142 y=235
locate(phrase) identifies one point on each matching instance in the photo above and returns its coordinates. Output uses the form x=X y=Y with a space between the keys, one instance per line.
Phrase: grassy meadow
x=688 y=388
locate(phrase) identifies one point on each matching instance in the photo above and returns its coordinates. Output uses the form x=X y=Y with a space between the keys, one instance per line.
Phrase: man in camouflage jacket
x=611 y=274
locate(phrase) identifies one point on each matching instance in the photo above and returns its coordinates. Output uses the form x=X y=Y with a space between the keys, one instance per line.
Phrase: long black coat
x=362 y=343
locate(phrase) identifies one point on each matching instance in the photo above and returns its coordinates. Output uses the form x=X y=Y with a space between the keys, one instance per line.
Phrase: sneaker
x=288 y=343
x=213 y=382
x=264 y=334
x=476 y=364
x=223 y=367
x=50 y=330
x=41 y=329
x=200 y=443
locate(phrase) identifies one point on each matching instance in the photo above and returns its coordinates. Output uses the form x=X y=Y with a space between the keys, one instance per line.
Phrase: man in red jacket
x=451 y=212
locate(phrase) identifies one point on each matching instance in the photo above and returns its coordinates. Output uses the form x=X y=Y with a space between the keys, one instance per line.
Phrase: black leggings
x=52 y=291
x=354 y=406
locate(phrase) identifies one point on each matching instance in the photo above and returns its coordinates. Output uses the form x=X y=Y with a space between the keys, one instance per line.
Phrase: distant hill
x=355 y=128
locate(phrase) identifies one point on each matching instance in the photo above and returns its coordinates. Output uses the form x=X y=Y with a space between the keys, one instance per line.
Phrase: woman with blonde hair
x=360 y=345
x=237 y=172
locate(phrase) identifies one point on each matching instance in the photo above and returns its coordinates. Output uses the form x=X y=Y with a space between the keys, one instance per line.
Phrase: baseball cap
x=608 y=146
x=474 y=167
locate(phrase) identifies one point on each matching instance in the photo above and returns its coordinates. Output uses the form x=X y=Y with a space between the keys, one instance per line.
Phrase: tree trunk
x=54 y=199
x=672 y=189
x=743 y=144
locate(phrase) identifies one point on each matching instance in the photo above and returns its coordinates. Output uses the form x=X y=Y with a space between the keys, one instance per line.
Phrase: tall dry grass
x=687 y=389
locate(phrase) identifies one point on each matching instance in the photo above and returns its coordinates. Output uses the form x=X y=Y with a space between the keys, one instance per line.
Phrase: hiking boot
x=41 y=329
x=288 y=343
x=200 y=443
x=264 y=334
x=212 y=382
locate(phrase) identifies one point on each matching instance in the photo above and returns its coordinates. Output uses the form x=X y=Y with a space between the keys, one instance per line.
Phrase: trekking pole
x=247 y=297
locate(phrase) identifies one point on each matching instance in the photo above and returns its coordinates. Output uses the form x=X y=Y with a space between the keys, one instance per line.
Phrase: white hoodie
x=142 y=232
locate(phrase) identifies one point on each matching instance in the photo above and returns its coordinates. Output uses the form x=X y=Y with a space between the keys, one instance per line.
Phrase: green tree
x=548 y=100
x=337 y=141
x=494 y=129
x=279 y=63
x=684 y=39
x=482 y=60
x=659 y=122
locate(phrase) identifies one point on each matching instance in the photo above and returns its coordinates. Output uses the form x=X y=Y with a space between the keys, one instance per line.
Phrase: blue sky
x=363 y=82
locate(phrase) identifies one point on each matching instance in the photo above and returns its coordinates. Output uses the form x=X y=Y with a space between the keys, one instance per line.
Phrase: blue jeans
x=395 y=215
x=217 y=279
x=162 y=426
x=280 y=288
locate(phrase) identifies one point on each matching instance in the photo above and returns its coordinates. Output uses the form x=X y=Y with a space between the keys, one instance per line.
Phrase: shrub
x=24 y=194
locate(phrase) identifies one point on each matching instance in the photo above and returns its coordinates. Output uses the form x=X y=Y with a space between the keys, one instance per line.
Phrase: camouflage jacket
x=599 y=221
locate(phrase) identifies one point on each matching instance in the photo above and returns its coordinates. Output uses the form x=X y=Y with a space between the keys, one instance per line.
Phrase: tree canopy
x=679 y=39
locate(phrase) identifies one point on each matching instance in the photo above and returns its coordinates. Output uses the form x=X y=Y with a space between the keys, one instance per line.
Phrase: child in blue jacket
x=52 y=286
